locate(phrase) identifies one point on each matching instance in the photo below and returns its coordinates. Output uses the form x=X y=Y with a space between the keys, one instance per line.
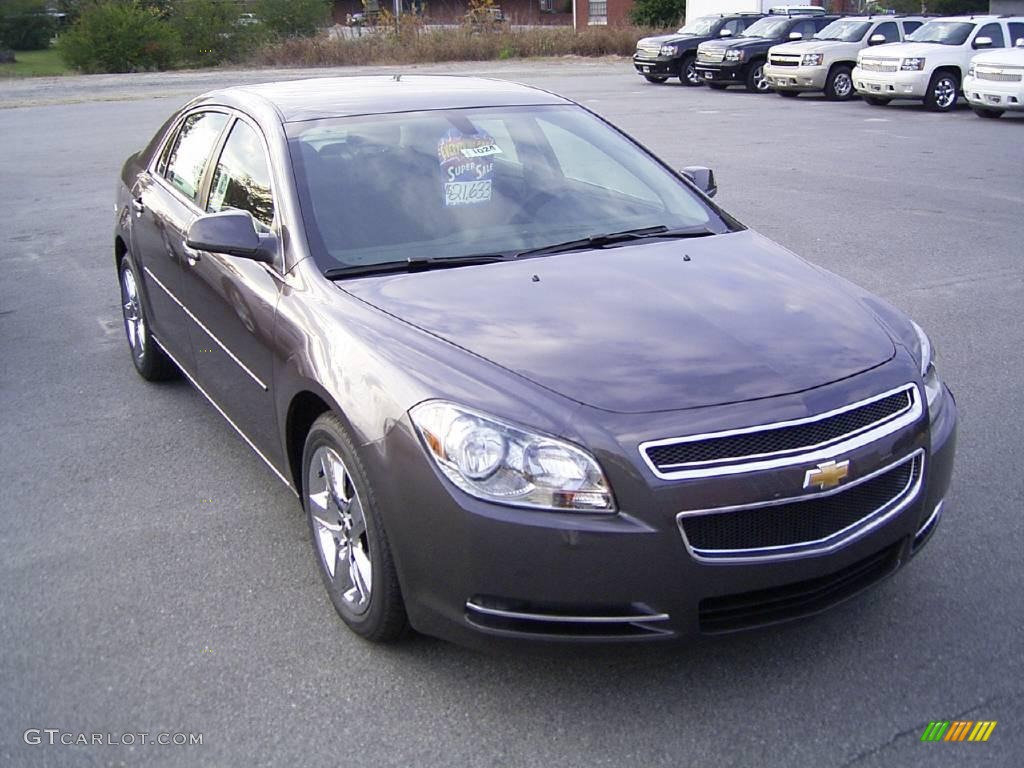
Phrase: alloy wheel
x=945 y=92
x=339 y=526
x=134 y=322
x=760 y=81
x=691 y=74
x=842 y=85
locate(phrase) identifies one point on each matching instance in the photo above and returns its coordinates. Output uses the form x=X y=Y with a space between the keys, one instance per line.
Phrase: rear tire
x=943 y=92
x=688 y=74
x=990 y=114
x=756 y=81
x=876 y=101
x=150 y=361
x=658 y=79
x=839 y=84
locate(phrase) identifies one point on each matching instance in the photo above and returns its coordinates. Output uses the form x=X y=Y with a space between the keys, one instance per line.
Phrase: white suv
x=932 y=62
x=994 y=79
x=825 y=62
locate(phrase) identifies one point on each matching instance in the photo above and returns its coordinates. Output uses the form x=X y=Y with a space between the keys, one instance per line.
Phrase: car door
x=232 y=301
x=164 y=200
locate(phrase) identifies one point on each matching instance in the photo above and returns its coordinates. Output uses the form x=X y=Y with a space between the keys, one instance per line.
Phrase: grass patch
x=46 y=63
x=425 y=46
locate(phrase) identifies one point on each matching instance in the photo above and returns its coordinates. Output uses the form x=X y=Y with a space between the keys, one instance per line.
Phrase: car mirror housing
x=876 y=39
x=703 y=178
x=725 y=33
x=232 y=232
x=983 y=42
x=795 y=36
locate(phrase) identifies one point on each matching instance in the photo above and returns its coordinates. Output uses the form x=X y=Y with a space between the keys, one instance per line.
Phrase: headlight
x=926 y=359
x=669 y=50
x=915 y=64
x=499 y=462
x=734 y=55
x=812 y=59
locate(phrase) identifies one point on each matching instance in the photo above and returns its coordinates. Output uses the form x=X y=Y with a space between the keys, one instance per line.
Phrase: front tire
x=990 y=114
x=348 y=536
x=839 y=85
x=943 y=92
x=658 y=79
x=688 y=74
x=756 y=81
x=150 y=361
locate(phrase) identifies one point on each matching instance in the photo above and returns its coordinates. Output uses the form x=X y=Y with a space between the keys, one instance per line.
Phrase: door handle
x=138 y=205
x=191 y=256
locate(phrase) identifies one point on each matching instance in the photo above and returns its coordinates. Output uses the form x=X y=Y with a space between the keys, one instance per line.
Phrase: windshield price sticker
x=467 y=167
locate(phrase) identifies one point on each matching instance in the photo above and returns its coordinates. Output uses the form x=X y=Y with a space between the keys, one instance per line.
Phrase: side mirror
x=876 y=39
x=1020 y=42
x=795 y=36
x=725 y=33
x=703 y=178
x=982 y=42
x=232 y=232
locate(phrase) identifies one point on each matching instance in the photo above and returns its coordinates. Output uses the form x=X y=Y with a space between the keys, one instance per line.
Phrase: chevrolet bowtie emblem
x=827 y=475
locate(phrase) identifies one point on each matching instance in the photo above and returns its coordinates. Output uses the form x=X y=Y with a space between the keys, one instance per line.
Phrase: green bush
x=25 y=25
x=292 y=18
x=120 y=36
x=211 y=32
x=658 y=13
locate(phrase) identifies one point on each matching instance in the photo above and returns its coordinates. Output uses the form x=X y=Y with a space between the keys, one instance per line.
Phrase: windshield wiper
x=414 y=264
x=614 y=238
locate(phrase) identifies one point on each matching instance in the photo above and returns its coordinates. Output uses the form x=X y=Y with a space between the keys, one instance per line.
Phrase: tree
x=292 y=18
x=658 y=13
x=25 y=25
x=119 y=36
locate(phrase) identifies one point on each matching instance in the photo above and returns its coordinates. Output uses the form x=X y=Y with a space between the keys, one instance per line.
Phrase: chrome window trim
x=826 y=545
x=206 y=330
x=812 y=453
x=558 y=618
x=227 y=418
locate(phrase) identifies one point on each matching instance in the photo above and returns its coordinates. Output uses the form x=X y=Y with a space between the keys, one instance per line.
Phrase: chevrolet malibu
x=528 y=381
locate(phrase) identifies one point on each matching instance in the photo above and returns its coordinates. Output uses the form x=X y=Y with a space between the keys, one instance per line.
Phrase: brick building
x=532 y=12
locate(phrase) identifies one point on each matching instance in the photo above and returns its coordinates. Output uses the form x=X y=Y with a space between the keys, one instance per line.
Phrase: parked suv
x=931 y=64
x=659 y=58
x=740 y=60
x=825 y=63
x=994 y=79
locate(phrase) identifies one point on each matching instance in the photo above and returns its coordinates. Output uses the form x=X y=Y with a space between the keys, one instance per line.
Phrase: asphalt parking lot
x=158 y=578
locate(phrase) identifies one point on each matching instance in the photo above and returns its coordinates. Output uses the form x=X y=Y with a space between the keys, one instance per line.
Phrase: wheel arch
x=952 y=69
x=305 y=406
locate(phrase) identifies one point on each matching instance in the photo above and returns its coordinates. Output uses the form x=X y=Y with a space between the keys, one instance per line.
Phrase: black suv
x=740 y=60
x=674 y=55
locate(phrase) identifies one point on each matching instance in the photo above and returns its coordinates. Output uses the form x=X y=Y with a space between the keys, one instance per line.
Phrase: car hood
x=674 y=37
x=740 y=42
x=909 y=50
x=809 y=46
x=1007 y=57
x=642 y=328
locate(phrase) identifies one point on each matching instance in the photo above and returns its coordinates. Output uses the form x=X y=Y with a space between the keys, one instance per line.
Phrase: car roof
x=298 y=100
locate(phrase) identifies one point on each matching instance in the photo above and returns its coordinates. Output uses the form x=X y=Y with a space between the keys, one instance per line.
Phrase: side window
x=735 y=26
x=582 y=161
x=242 y=178
x=806 y=29
x=889 y=30
x=1016 y=32
x=910 y=26
x=995 y=32
x=191 y=151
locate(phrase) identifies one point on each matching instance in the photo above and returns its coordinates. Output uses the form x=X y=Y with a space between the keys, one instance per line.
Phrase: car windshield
x=453 y=183
x=702 y=26
x=767 y=28
x=847 y=30
x=944 y=32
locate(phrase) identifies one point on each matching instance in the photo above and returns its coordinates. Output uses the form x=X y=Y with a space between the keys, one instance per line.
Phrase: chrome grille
x=676 y=456
x=879 y=65
x=648 y=50
x=784 y=61
x=713 y=56
x=998 y=75
x=805 y=524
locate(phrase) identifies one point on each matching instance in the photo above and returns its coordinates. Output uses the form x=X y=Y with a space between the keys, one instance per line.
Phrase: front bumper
x=891 y=85
x=994 y=95
x=795 y=78
x=480 y=573
x=726 y=72
x=662 y=66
